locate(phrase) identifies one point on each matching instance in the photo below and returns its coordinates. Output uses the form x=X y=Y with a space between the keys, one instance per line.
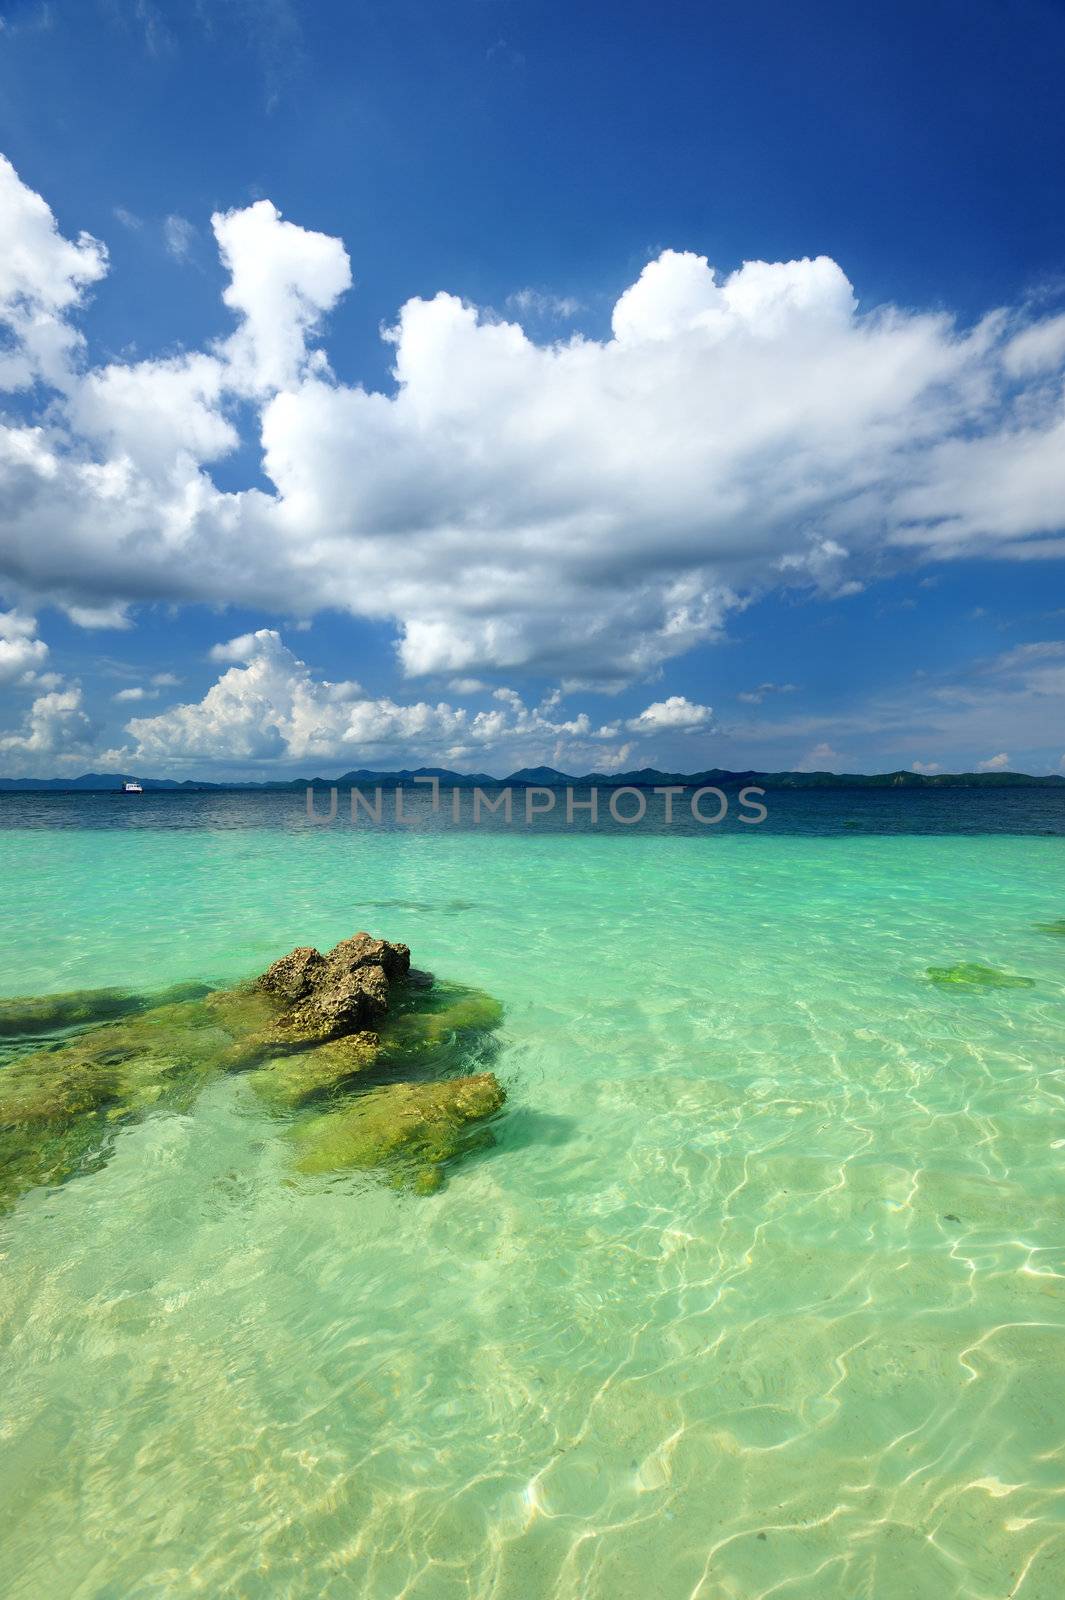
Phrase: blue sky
x=586 y=502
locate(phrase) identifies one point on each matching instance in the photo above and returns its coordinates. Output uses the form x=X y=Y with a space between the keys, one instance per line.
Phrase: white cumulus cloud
x=822 y=758
x=42 y=278
x=21 y=652
x=282 y=280
x=677 y=714
x=268 y=706
x=55 y=725
x=583 y=508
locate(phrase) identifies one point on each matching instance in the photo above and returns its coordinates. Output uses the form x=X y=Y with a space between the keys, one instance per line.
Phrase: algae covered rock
x=58 y=1152
x=49 y=1013
x=1057 y=927
x=129 y=1062
x=308 y=1029
x=972 y=975
x=59 y=1106
x=328 y=997
x=293 y=1080
x=38 y=1095
x=413 y=1128
x=443 y=1020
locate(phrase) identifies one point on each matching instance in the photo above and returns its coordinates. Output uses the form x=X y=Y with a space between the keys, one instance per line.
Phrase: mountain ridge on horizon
x=547 y=777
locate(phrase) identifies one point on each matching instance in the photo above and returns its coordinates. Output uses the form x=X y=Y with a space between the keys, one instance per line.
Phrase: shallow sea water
x=759 y=1292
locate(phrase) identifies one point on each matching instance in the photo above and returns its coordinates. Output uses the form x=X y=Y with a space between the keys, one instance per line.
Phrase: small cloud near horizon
x=677 y=715
x=822 y=758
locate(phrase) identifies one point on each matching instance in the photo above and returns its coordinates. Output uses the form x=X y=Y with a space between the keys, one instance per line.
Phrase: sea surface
x=758 y=1293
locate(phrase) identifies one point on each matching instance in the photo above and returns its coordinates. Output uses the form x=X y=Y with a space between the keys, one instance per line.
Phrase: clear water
x=758 y=1294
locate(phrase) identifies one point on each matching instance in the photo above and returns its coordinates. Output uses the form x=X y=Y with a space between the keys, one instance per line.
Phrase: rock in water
x=49 y=1013
x=329 y=997
x=413 y=1128
x=971 y=975
x=426 y=1024
x=59 y=1107
x=292 y=1081
x=308 y=1027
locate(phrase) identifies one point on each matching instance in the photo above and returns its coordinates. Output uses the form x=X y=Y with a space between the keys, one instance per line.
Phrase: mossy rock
x=1057 y=927
x=61 y=1102
x=249 y=1015
x=430 y=1028
x=971 y=975
x=32 y=1098
x=413 y=1129
x=334 y=996
x=294 y=1080
x=56 y=1153
x=25 y=1015
x=58 y=1105
x=426 y=1022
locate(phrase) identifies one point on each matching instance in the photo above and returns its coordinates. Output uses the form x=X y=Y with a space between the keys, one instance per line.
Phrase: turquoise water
x=759 y=1292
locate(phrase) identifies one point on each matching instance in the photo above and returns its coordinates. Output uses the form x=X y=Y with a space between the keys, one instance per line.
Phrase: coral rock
x=413 y=1127
x=290 y=1082
x=326 y=997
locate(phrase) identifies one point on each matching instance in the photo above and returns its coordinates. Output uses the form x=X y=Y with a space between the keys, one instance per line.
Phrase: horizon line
x=533 y=777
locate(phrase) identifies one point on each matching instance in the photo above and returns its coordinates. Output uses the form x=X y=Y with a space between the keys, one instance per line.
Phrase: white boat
x=133 y=788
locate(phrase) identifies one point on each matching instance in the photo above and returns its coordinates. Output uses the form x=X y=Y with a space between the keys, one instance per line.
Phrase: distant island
x=551 y=778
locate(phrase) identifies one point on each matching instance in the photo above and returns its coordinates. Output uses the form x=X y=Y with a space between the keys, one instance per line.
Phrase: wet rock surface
x=321 y=998
x=324 y=1041
x=296 y=1079
x=417 y=1128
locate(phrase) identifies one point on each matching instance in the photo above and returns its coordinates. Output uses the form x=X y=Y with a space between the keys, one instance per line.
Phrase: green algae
x=292 y=1081
x=25 y=1015
x=414 y=1129
x=447 y=1018
x=59 y=1104
x=59 y=1151
x=33 y=1097
x=972 y=975
x=62 y=1102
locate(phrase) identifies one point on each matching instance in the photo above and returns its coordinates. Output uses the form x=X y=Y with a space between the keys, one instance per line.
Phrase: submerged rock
x=293 y=1080
x=130 y=1063
x=310 y=1029
x=971 y=975
x=442 y=1020
x=414 y=1128
x=49 y=1013
x=1057 y=927
x=37 y=1095
x=59 y=1106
